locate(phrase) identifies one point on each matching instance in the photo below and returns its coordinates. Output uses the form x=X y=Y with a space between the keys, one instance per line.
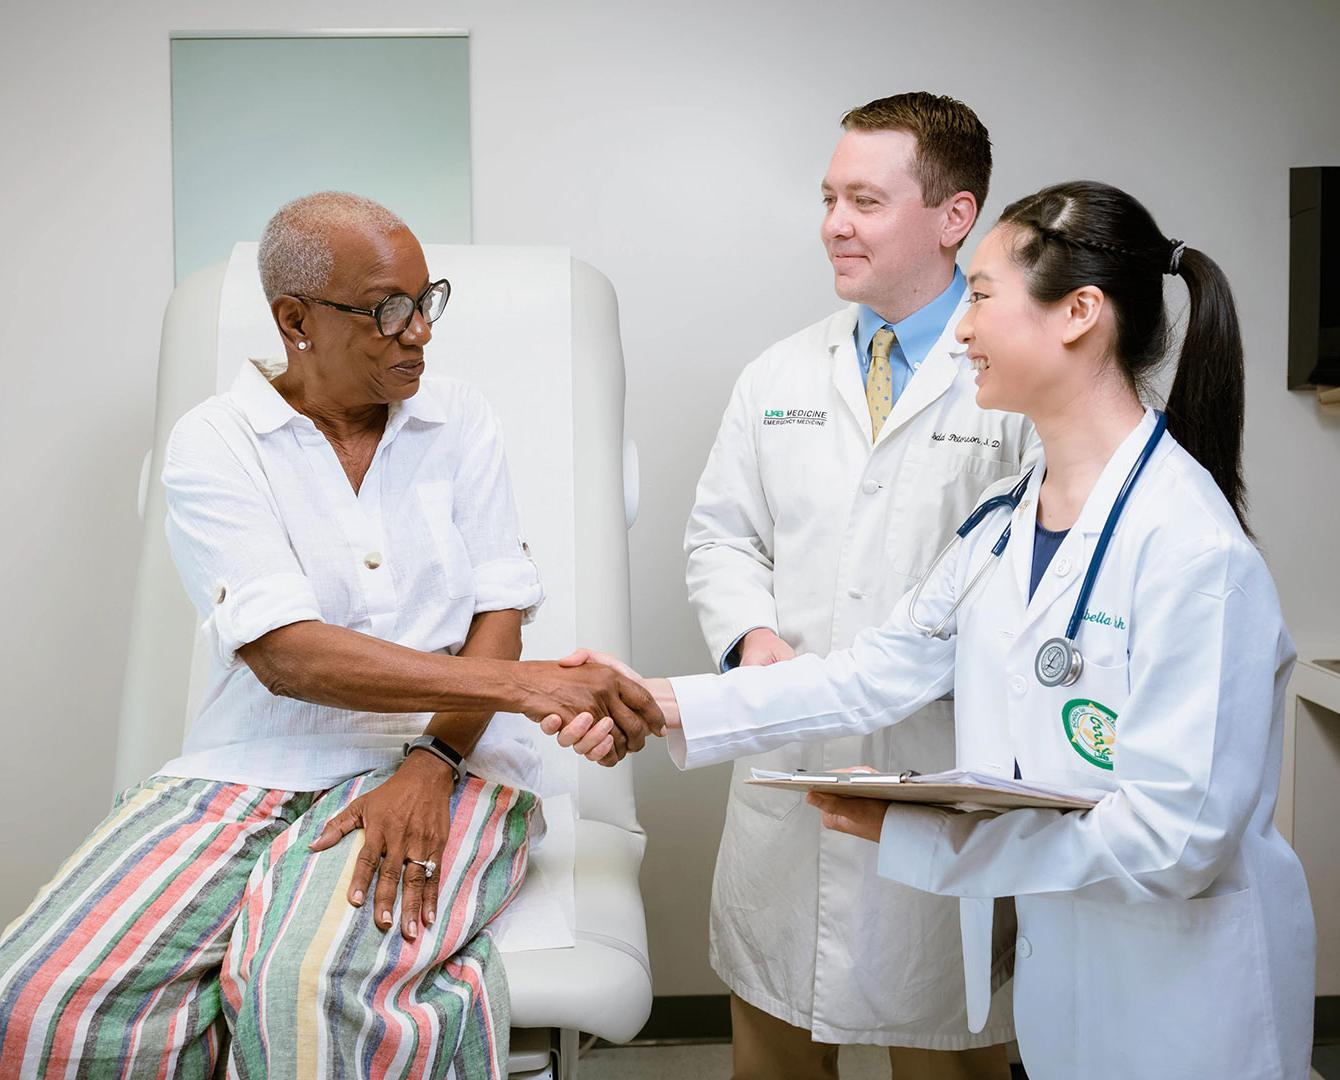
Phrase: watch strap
x=438 y=748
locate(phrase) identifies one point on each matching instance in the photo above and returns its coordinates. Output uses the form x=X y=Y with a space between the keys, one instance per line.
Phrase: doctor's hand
x=761 y=647
x=857 y=817
x=576 y=732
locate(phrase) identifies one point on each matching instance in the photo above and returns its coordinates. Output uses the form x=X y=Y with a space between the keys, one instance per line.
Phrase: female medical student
x=1127 y=637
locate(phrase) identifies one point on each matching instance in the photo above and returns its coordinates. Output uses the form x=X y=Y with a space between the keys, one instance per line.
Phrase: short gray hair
x=295 y=256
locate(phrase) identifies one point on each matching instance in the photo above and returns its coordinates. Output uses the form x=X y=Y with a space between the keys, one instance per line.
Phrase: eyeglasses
x=396 y=312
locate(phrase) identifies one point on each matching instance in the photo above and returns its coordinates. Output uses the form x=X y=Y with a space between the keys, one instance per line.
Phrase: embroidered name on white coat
x=810 y=417
x=971 y=440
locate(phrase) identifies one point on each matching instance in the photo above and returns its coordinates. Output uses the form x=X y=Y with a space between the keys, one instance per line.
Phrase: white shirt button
x=870 y=487
x=220 y=595
x=1018 y=684
x=856 y=594
x=1023 y=948
x=372 y=560
x=1063 y=566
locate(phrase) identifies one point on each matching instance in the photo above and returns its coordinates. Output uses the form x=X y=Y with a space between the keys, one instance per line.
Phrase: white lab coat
x=801 y=526
x=1168 y=931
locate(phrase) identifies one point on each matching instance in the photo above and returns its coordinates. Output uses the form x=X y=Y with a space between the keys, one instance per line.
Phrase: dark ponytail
x=1088 y=233
x=1206 y=403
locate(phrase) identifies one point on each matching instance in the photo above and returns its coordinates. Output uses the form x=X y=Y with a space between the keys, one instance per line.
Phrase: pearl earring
x=302 y=345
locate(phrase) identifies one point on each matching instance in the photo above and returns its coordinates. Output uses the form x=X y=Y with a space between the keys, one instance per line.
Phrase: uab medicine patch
x=1091 y=728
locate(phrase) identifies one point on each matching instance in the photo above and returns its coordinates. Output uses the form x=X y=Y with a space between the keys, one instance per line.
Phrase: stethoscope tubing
x=1110 y=528
x=1010 y=501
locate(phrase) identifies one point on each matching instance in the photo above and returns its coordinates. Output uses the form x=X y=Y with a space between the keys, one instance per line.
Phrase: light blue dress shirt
x=917 y=334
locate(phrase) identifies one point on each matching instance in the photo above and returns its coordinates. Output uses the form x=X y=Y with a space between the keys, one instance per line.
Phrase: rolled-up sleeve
x=485 y=514
x=231 y=550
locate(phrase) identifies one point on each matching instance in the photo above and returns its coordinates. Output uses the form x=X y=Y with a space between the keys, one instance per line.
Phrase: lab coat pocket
x=769 y=802
x=935 y=490
x=436 y=503
x=1179 y=988
x=1086 y=718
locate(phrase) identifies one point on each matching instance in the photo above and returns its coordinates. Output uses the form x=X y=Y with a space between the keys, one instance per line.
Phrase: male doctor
x=847 y=454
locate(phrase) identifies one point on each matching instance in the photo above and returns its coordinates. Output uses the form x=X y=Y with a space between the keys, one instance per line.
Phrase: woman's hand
x=407 y=817
x=855 y=816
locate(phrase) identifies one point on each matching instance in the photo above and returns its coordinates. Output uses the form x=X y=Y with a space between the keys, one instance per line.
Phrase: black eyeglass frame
x=376 y=312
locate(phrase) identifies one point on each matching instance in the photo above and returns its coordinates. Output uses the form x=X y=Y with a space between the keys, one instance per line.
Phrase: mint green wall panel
x=257 y=121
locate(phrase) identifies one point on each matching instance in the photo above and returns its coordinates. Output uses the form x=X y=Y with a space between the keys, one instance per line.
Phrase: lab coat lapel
x=933 y=378
x=846 y=369
x=1019 y=553
x=1079 y=544
x=1099 y=503
x=1054 y=588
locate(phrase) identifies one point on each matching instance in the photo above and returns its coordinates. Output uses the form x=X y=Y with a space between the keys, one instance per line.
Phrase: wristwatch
x=440 y=749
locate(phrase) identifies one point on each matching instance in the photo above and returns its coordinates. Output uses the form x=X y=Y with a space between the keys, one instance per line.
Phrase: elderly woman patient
x=305 y=887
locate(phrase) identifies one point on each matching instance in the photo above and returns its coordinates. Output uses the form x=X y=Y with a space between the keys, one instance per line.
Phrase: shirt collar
x=261 y=403
x=267 y=411
x=918 y=333
x=426 y=405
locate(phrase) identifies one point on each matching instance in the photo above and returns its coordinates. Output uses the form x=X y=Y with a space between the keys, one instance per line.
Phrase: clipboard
x=957 y=788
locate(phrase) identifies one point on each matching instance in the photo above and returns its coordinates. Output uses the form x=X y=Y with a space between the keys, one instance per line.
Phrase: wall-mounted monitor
x=1314 y=277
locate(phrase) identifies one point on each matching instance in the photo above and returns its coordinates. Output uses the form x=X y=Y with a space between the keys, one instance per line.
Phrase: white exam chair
x=538 y=332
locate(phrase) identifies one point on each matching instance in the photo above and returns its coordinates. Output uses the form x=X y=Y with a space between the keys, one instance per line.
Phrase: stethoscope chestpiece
x=1058 y=663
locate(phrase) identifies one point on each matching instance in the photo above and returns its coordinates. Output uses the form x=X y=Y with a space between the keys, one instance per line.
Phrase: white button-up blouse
x=266 y=530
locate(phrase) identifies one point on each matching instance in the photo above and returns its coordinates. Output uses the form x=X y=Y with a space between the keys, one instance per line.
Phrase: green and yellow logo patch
x=1091 y=728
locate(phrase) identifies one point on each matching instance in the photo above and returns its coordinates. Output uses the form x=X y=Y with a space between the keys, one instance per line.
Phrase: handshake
x=602 y=708
x=596 y=704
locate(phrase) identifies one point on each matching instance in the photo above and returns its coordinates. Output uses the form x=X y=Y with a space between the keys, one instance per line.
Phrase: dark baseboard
x=687 y=1018
x=1327 y=1020
x=706 y=1018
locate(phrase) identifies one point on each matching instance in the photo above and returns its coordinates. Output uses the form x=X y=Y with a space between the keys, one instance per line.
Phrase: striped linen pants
x=194 y=924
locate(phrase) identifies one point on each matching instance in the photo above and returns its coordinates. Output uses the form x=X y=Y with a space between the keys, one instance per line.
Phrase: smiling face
x=354 y=363
x=882 y=241
x=1027 y=355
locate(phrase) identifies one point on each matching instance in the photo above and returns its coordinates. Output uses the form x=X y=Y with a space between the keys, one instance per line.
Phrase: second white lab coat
x=802 y=526
x=1168 y=931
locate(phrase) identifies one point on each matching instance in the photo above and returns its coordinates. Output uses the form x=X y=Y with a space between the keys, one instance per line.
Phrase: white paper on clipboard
x=960 y=788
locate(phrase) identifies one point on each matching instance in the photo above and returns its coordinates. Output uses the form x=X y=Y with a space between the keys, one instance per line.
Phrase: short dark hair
x=953 y=147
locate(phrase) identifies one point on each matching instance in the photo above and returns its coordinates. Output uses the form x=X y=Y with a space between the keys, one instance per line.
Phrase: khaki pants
x=765 y=1048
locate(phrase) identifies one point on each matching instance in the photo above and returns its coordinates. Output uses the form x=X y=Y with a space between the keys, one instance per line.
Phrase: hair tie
x=1175 y=258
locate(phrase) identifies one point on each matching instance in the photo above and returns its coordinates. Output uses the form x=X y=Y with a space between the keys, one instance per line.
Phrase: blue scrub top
x=1045 y=543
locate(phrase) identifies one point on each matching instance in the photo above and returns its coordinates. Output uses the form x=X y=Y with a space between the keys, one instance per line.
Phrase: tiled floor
x=712 y=1062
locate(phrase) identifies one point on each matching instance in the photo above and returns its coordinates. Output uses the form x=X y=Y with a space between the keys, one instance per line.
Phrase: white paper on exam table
x=960 y=788
x=543 y=914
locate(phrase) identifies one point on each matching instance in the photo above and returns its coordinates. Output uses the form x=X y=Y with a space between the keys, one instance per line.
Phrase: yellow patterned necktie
x=879 y=382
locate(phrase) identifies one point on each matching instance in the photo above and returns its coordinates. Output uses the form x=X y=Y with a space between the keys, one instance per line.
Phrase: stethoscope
x=1058 y=662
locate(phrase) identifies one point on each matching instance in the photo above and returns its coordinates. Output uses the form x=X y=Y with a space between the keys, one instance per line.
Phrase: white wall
x=678 y=147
